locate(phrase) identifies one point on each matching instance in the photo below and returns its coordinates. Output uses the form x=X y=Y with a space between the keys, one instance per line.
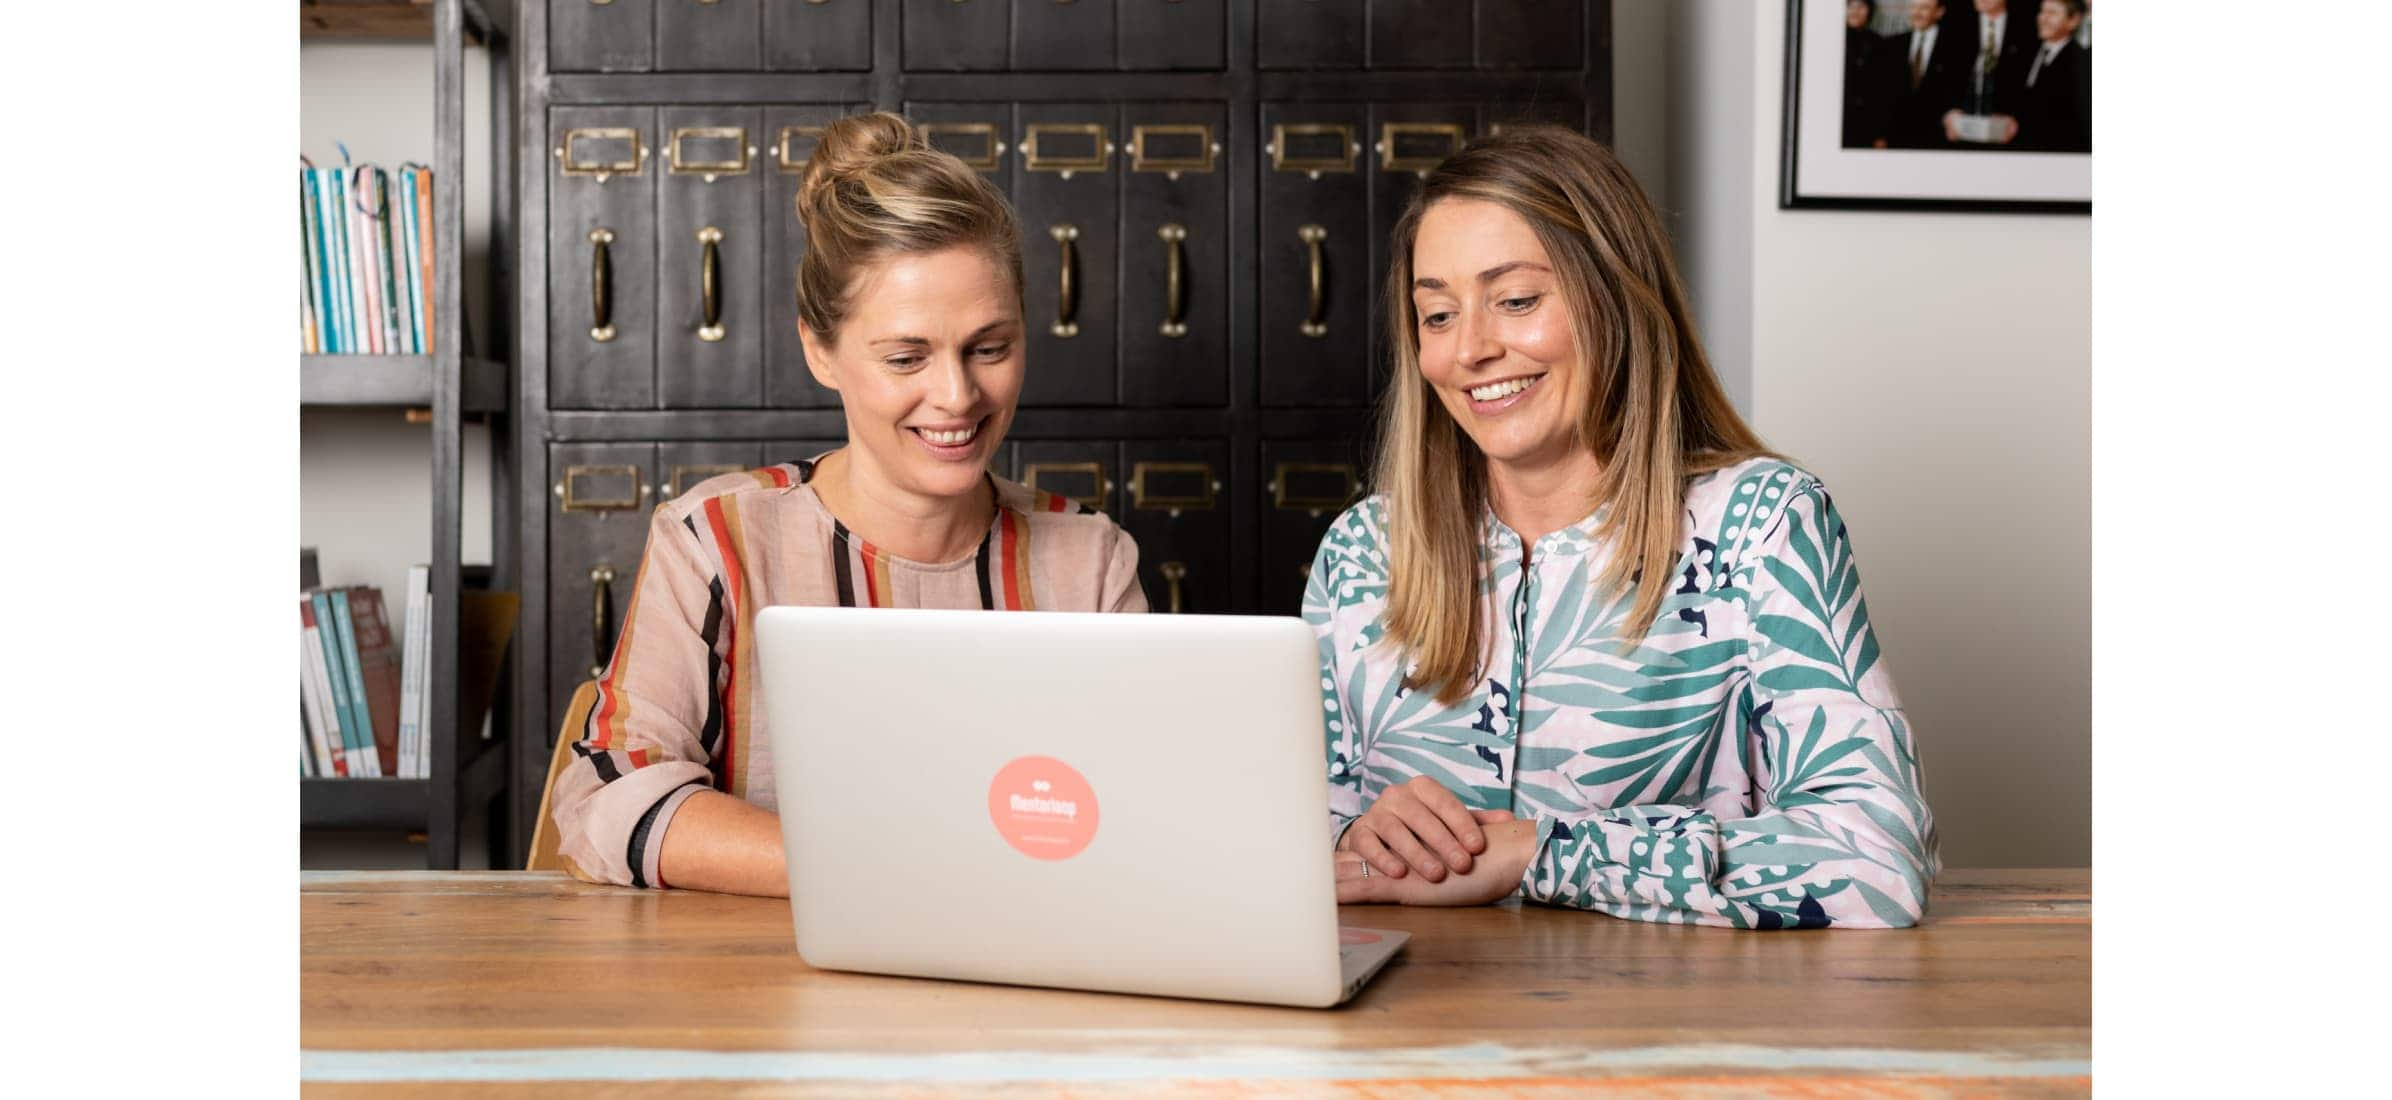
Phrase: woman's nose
x=955 y=388
x=1474 y=342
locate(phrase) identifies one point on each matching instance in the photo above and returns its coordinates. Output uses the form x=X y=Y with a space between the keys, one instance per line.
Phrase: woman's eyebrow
x=1489 y=275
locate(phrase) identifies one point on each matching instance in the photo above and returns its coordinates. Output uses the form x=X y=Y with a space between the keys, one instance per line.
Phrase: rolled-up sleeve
x=647 y=746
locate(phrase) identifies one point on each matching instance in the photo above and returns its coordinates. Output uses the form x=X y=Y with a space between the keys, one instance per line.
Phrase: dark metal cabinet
x=793 y=132
x=706 y=35
x=1309 y=34
x=1419 y=34
x=603 y=494
x=1060 y=35
x=602 y=245
x=1066 y=198
x=1171 y=34
x=818 y=35
x=956 y=35
x=709 y=259
x=1176 y=505
x=602 y=36
x=1174 y=245
x=1530 y=34
x=1309 y=482
x=979 y=134
x=1315 y=254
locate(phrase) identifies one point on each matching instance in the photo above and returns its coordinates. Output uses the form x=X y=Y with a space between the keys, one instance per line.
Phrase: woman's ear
x=818 y=359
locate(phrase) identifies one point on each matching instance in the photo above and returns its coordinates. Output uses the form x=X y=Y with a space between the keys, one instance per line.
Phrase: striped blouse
x=678 y=710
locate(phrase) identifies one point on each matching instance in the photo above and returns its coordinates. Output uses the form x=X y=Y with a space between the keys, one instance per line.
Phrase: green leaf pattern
x=1746 y=764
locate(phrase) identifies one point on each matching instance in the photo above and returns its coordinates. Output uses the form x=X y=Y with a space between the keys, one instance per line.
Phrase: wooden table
x=533 y=984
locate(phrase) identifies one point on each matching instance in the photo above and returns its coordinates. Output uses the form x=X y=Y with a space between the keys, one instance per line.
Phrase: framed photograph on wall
x=1939 y=104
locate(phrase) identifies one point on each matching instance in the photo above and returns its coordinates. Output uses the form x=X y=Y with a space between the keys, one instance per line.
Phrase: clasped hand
x=1424 y=847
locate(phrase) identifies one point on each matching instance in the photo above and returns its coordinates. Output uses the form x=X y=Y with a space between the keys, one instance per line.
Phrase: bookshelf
x=466 y=771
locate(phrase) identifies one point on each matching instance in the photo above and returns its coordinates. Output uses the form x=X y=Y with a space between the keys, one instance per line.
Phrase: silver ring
x=1366 y=868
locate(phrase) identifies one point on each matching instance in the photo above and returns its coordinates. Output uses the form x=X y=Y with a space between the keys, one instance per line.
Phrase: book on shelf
x=413 y=681
x=366 y=260
x=316 y=695
x=377 y=657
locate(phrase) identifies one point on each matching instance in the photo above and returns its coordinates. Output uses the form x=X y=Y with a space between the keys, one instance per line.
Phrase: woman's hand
x=1491 y=878
x=1419 y=826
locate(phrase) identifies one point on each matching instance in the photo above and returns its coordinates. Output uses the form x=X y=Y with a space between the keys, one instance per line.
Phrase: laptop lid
x=1131 y=803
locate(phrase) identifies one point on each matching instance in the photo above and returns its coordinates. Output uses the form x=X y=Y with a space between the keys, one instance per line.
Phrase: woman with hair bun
x=1590 y=642
x=910 y=308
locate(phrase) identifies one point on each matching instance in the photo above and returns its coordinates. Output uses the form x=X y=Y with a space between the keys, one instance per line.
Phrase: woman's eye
x=1522 y=305
x=905 y=363
x=1435 y=320
x=991 y=351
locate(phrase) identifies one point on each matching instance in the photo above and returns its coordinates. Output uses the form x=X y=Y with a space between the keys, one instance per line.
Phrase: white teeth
x=950 y=439
x=1499 y=390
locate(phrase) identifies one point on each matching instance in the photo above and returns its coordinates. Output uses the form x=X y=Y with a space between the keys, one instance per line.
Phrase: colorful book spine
x=352 y=283
x=324 y=251
x=320 y=733
x=311 y=337
x=336 y=682
x=424 y=246
x=412 y=257
x=357 y=718
x=412 y=762
x=394 y=305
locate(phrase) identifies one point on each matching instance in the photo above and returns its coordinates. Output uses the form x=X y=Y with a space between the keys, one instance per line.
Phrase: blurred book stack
x=366 y=260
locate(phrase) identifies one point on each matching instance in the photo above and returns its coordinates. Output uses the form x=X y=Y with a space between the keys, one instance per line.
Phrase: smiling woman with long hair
x=910 y=307
x=1590 y=641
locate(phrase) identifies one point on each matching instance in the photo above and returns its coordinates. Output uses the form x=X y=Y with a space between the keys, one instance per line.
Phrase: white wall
x=1935 y=371
x=365 y=476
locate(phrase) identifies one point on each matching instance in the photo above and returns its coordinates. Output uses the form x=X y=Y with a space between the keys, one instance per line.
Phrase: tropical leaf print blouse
x=1746 y=764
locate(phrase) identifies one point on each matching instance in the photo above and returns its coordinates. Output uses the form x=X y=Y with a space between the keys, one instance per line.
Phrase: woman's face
x=1856 y=14
x=1494 y=333
x=928 y=364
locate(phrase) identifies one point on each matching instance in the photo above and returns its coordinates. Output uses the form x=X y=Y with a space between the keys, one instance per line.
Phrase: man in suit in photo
x=2054 y=103
x=1866 y=88
x=2000 y=47
x=1927 y=70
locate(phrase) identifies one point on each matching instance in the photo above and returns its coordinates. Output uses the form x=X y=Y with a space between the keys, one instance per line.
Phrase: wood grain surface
x=519 y=983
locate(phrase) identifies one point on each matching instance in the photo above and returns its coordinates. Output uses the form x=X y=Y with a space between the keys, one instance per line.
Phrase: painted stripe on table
x=1476 y=1061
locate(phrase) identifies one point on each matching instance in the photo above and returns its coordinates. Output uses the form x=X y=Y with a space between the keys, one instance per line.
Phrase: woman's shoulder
x=1053 y=516
x=1747 y=493
x=776 y=480
x=1359 y=532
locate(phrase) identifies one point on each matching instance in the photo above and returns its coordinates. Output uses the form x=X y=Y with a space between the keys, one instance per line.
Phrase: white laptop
x=1129 y=803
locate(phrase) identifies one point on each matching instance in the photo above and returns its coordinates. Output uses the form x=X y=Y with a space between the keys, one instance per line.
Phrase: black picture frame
x=1793 y=196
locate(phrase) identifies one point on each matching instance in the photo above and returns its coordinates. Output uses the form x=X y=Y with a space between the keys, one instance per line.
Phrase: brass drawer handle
x=602 y=618
x=1100 y=487
x=1173 y=573
x=1174 y=280
x=1312 y=236
x=572 y=497
x=710 y=278
x=602 y=277
x=1175 y=493
x=1285 y=494
x=685 y=476
x=1067 y=292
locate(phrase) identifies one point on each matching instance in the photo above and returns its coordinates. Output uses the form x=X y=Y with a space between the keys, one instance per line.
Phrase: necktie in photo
x=1918 y=58
x=2041 y=56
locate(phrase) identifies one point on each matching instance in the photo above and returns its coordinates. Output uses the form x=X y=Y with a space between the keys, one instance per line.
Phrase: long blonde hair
x=1656 y=414
x=874 y=187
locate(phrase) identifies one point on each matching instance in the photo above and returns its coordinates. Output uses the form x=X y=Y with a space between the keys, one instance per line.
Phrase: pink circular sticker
x=1351 y=937
x=1042 y=807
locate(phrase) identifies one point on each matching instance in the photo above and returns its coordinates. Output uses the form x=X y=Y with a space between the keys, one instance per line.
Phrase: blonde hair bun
x=875 y=187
